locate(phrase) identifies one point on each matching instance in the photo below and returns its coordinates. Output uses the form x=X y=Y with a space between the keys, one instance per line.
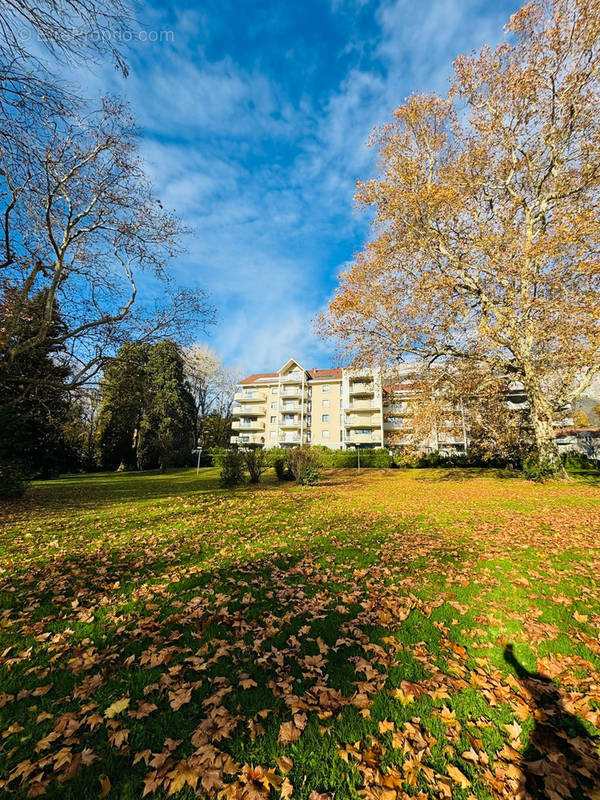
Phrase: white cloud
x=266 y=182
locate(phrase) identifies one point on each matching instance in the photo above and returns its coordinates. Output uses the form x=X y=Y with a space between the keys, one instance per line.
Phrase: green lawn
x=425 y=633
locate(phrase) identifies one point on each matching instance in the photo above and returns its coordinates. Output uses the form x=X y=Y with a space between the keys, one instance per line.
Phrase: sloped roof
x=321 y=374
x=257 y=376
x=314 y=374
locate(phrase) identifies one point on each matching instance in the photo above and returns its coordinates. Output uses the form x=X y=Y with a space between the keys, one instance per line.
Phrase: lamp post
x=199 y=451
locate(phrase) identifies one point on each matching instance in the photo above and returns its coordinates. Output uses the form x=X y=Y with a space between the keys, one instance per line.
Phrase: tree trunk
x=542 y=414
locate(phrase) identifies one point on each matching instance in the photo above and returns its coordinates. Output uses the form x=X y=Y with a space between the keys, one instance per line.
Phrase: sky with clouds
x=255 y=118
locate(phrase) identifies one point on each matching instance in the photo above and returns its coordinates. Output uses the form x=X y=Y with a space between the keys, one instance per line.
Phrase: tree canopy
x=486 y=244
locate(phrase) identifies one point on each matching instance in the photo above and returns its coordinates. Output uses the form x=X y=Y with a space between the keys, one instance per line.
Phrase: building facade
x=337 y=408
x=348 y=408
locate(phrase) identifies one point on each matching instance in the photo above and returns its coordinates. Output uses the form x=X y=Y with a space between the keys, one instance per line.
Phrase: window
x=272 y=434
x=273 y=420
x=325 y=403
x=341 y=403
x=325 y=434
x=274 y=390
x=324 y=417
x=273 y=405
x=249 y=393
x=363 y=431
x=309 y=420
x=326 y=387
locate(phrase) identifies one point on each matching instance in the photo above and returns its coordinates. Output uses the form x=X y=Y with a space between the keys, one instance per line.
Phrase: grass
x=424 y=633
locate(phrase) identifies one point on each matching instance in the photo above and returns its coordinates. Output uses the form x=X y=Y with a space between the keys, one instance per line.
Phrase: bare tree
x=211 y=382
x=75 y=29
x=79 y=223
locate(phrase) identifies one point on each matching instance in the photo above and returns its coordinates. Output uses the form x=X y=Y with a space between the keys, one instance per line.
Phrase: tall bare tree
x=487 y=243
x=79 y=223
x=212 y=383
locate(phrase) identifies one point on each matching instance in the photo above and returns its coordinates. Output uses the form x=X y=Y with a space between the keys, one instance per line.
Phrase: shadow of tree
x=562 y=758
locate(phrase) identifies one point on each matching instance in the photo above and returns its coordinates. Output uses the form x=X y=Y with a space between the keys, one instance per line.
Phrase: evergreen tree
x=147 y=412
x=35 y=403
x=166 y=432
x=123 y=390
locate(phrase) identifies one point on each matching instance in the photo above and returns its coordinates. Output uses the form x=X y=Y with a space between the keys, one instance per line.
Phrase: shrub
x=535 y=469
x=231 y=463
x=576 y=461
x=13 y=481
x=304 y=464
x=256 y=462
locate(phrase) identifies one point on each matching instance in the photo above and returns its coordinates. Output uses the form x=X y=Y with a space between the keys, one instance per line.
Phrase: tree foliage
x=147 y=411
x=34 y=401
x=486 y=244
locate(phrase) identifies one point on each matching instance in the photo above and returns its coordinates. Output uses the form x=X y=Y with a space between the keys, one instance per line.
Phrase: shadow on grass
x=562 y=753
x=468 y=473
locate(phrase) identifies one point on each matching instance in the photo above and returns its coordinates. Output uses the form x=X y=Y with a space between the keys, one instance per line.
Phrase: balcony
x=362 y=388
x=372 y=422
x=363 y=438
x=245 y=411
x=291 y=378
x=244 y=425
x=289 y=438
x=290 y=423
x=254 y=397
x=292 y=408
x=292 y=391
x=247 y=438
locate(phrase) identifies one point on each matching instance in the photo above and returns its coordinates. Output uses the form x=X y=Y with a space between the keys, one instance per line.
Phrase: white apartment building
x=338 y=408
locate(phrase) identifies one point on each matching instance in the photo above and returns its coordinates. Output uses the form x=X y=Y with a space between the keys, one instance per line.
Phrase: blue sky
x=255 y=119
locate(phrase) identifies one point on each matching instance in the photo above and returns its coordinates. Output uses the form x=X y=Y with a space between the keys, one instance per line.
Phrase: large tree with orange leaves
x=487 y=237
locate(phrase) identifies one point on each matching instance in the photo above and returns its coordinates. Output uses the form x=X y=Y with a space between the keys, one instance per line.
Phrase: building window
x=341 y=403
x=272 y=434
x=249 y=393
x=363 y=431
x=274 y=390
x=273 y=420
x=273 y=405
x=325 y=387
x=325 y=403
x=324 y=417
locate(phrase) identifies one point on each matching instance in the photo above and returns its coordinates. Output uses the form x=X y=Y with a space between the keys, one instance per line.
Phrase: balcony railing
x=239 y=411
x=290 y=423
x=364 y=388
x=362 y=438
x=247 y=438
x=254 y=397
x=243 y=425
x=291 y=378
x=291 y=408
x=289 y=439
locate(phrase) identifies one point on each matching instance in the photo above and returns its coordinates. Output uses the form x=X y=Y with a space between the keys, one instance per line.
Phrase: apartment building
x=338 y=408
x=346 y=408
